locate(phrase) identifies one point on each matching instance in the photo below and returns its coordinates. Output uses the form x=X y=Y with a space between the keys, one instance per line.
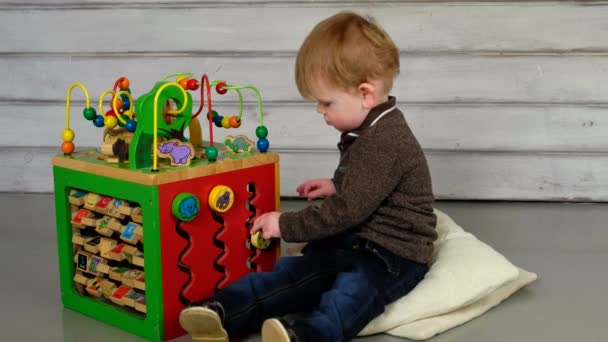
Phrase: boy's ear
x=367 y=91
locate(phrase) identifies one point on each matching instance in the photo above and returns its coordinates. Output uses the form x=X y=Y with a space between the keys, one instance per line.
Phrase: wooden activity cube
x=193 y=245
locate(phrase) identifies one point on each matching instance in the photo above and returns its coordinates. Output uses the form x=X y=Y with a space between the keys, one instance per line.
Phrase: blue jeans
x=338 y=285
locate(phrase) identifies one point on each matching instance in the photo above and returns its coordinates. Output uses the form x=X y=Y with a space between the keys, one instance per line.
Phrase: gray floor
x=565 y=243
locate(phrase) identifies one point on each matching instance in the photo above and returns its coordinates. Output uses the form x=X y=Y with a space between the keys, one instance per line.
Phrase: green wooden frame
x=152 y=326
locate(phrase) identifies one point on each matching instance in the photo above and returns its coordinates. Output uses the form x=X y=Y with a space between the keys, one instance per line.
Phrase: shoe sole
x=203 y=325
x=273 y=331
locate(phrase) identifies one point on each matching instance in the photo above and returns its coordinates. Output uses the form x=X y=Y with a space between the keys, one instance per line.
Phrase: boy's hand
x=317 y=188
x=268 y=223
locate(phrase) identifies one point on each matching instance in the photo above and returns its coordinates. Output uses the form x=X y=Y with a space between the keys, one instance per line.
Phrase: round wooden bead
x=192 y=84
x=99 y=121
x=111 y=121
x=67 y=135
x=89 y=113
x=235 y=122
x=218 y=120
x=226 y=122
x=67 y=147
x=131 y=125
x=211 y=153
x=261 y=132
x=263 y=145
x=220 y=88
x=124 y=83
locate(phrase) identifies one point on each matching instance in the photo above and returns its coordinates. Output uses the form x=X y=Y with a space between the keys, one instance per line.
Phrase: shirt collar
x=372 y=117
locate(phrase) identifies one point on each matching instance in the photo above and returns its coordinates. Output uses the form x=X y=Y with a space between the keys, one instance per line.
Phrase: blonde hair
x=346 y=50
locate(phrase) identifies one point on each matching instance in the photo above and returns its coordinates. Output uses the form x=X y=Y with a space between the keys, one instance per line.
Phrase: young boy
x=371 y=238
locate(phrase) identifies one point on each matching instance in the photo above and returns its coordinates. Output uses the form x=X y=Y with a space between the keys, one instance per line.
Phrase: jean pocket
x=390 y=260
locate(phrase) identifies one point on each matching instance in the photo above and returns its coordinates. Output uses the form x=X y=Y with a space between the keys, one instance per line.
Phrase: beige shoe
x=274 y=331
x=203 y=324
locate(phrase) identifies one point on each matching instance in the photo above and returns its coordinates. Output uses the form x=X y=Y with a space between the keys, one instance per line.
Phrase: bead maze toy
x=155 y=219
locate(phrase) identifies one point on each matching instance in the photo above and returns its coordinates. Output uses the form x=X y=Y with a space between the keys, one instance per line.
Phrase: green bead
x=89 y=113
x=214 y=114
x=261 y=132
x=211 y=153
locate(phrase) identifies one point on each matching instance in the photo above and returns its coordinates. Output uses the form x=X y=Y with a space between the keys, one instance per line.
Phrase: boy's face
x=345 y=111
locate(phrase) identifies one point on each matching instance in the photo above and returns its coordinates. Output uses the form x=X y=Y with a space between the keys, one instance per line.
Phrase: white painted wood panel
x=281 y=27
x=297 y=125
x=443 y=78
x=509 y=176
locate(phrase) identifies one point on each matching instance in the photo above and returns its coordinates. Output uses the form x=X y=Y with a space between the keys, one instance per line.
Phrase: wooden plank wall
x=508 y=99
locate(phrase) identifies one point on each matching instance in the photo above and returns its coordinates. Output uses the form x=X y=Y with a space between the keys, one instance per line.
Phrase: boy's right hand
x=317 y=188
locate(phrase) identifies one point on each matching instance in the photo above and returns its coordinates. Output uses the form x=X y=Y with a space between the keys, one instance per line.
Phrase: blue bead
x=131 y=125
x=99 y=121
x=126 y=104
x=263 y=145
x=218 y=120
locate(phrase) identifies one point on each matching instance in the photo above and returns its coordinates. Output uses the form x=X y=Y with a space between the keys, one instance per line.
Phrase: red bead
x=220 y=88
x=110 y=113
x=192 y=84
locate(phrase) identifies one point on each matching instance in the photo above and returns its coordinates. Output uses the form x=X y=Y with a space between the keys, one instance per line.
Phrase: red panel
x=199 y=257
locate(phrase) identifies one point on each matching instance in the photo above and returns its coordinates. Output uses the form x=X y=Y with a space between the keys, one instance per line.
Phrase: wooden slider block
x=82 y=218
x=138 y=259
x=90 y=263
x=114 y=208
x=81 y=279
x=132 y=233
x=90 y=200
x=119 y=294
x=117 y=272
x=131 y=298
x=94 y=287
x=116 y=252
x=128 y=278
x=78 y=239
x=128 y=252
x=134 y=212
x=140 y=305
x=106 y=246
x=92 y=244
x=103 y=204
x=76 y=197
x=107 y=288
x=140 y=282
x=107 y=225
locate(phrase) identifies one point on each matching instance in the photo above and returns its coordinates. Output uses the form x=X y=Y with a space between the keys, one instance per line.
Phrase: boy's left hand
x=268 y=223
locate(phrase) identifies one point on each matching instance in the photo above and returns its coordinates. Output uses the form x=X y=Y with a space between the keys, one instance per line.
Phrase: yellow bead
x=110 y=121
x=226 y=122
x=68 y=135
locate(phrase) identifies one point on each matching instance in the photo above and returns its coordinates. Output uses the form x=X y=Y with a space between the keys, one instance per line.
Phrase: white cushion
x=466 y=278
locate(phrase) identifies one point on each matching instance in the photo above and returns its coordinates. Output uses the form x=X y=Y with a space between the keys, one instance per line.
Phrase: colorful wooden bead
x=211 y=153
x=183 y=82
x=131 y=125
x=226 y=122
x=218 y=120
x=67 y=135
x=126 y=103
x=261 y=132
x=110 y=121
x=263 y=145
x=221 y=88
x=99 y=121
x=67 y=147
x=123 y=83
x=89 y=113
x=192 y=84
x=235 y=122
